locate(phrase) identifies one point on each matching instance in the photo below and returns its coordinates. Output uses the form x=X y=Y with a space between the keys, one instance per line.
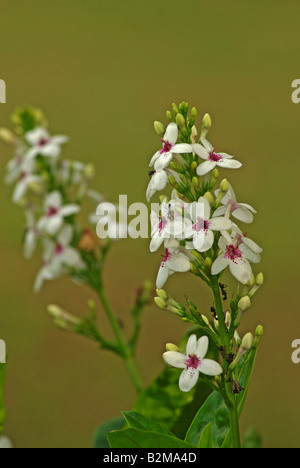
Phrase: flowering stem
x=128 y=358
x=227 y=395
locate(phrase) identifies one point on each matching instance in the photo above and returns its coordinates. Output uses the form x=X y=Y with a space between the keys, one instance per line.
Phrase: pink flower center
x=43 y=141
x=166 y=257
x=162 y=224
x=192 y=362
x=167 y=146
x=215 y=156
x=52 y=210
x=233 y=253
x=201 y=225
x=59 y=249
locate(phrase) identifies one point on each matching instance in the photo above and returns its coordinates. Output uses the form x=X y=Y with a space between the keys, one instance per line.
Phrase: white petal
x=155 y=243
x=171 y=134
x=219 y=265
x=34 y=136
x=182 y=148
x=188 y=379
x=51 y=225
x=206 y=167
x=203 y=240
x=179 y=262
x=163 y=161
x=191 y=346
x=162 y=276
x=68 y=210
x=53 y=200
x=243 y=214
x=220 y=224
x=209 y=367
x=219 y=211
x=202 y=347
x=241 y=270
x=154 y=158
x=252 y=245
x=66 y=234
x=175 y=359
x=200 y=151
x=229 y=164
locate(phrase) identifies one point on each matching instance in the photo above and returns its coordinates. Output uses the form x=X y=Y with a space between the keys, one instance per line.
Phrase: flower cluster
x=197 y=217
x=51 y=191
x=197 y=227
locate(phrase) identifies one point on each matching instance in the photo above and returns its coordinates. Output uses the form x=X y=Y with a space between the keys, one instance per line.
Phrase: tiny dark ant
x=223 y=291
x=151 y=173
x=214 y=312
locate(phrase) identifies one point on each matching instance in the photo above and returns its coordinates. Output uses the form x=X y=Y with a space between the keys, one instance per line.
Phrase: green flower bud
x=180 y=120
x=194 y=113
x=209 y=197
x=89 y=171
x=251 y=283
x=172 y=181
x=169 y=116
x=175 y=109
x=215 y=174
x=162 y=294
x=172 y=347
x=205 y=320
x=7 y=136
x=247 y=342
x=194 y=165
x=160 y=302
x=208 y=262
x=260 y=279
x=206 y=122
x=259 y=331
x=195 y=181
x=159 y=127
x=224 y=186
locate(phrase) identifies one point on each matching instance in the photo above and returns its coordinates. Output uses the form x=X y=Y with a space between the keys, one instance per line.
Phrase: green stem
x=229 y=399
x=128 y=358
x=234 y=425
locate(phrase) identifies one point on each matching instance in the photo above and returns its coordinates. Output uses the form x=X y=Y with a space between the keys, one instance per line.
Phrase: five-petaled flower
x=241 y=211
x=42 y=143
x=163 y=157
x=193 y=362
x=212 y=159
x=202 y=227
x=55 y=212
x=234 y=257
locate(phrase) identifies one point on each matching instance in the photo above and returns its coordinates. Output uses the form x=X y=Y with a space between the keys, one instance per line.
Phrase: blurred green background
x=103 y=71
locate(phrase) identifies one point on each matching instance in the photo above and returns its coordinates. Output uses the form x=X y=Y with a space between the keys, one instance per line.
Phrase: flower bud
x=162 y=294
x=215 y=174
x=195 y=181
x=244 y=303
x=180 y=120
x=224 y=186
x=206 y=125
x=175 y=109
x=209 y=197
x=208 y=262
x=251 y=283
x=205 y=320
x=247 y=342
x=159 y=127
x=169 y=116
x=7 y=136
x=194 y=165
x=160 y=302
x=172 y=347
x=259 y=279
x=194 y=113
x=89 y=171
x=259 y=331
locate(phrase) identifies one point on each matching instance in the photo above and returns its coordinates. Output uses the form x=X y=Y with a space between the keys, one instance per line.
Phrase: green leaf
x=134 y=438
x=206 y=438
x=100 y=440
x=138 y=421
x=213 y=411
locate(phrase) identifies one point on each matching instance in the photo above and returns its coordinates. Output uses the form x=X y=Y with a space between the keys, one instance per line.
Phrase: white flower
x=58 y=257
x=157 y=182
x=173 y=261
x=249 y=248
x=193 y=362
x=206 y=151
x=202 y=227
x=55 y=212
x=42 y=143
x=170 y=222
x=31 y=235
x=233 y=257
x=240 y=211
x=163 y=157
x=5 y=442
x=26 y=179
